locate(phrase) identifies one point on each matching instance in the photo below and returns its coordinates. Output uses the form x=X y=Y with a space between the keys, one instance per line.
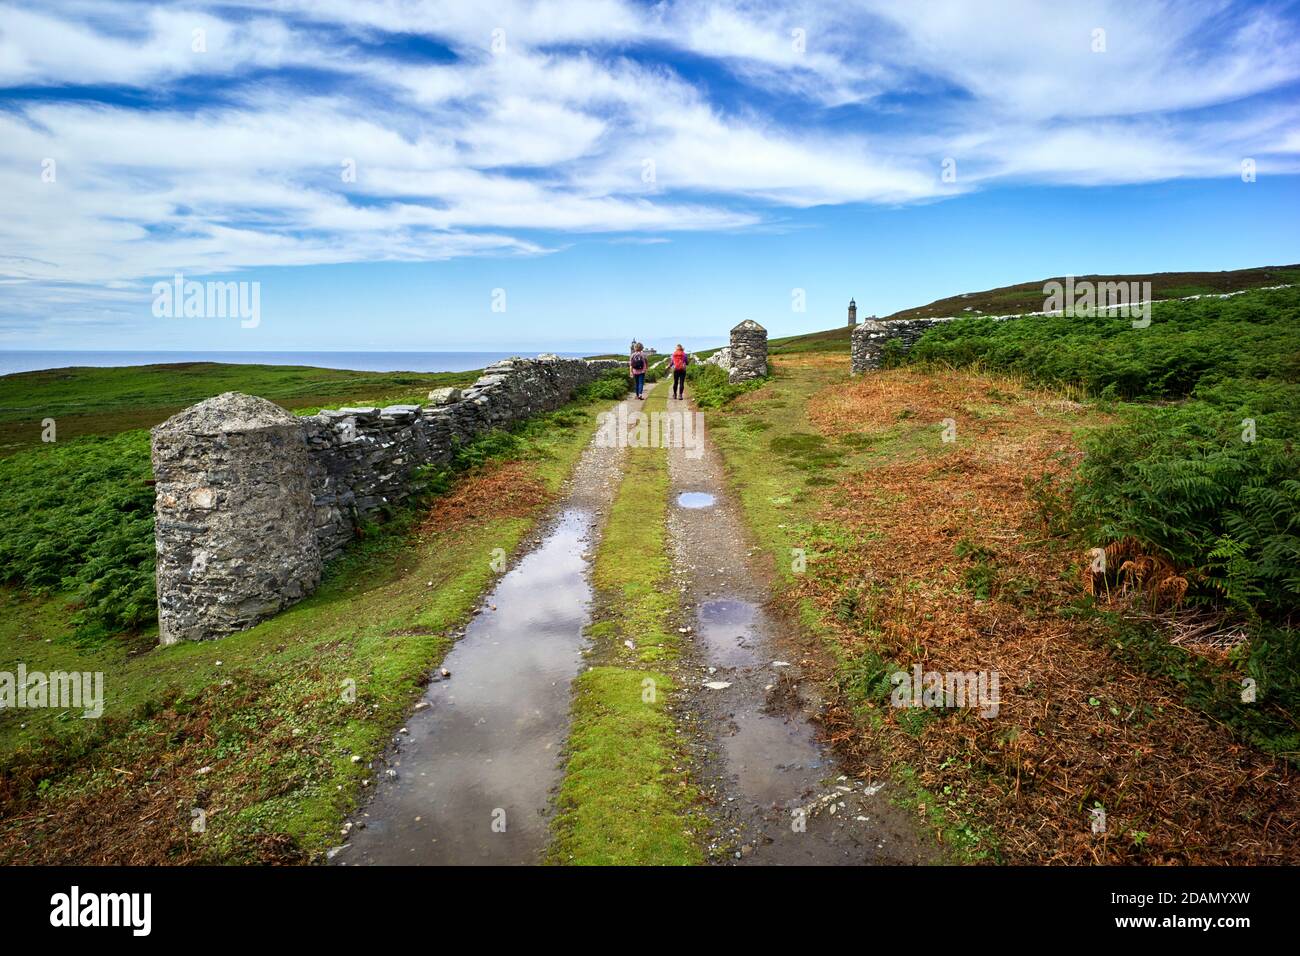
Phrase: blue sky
x=619 y=169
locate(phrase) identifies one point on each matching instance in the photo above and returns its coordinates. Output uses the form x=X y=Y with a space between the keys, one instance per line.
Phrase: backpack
x=679 y=360
x=638 y=362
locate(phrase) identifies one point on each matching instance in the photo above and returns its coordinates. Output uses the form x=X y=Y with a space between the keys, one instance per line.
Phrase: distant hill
x=1028 y=297
x=105 y=401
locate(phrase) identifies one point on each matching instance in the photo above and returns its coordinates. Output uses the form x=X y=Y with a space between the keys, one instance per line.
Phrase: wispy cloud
x=137 y=140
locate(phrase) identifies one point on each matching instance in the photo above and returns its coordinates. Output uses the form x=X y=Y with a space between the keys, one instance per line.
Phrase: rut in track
x=470 y=778
x=778 y=796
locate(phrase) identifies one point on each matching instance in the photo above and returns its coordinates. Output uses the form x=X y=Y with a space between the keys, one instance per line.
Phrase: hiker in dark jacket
x=636 y=366
x=679 y=362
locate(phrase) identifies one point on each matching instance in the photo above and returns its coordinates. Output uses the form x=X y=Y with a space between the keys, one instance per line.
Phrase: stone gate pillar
x=748 y=352
x=234 y=525
x=866 y=353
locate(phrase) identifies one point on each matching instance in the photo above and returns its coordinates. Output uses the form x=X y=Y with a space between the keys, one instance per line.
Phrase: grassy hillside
x=76 y=515
x=1188 y=344
x=921 y=550
x=106 y=401
x=1195 y=491
x=254 y=730
x=1028 y=297
x=1212 y=483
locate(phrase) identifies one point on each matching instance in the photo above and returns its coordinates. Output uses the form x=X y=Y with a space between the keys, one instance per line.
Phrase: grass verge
x=242 y=750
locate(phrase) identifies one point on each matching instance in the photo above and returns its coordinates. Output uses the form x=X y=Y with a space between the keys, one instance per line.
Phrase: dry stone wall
x=721 y=358
x=251 y=500
x=867 y=349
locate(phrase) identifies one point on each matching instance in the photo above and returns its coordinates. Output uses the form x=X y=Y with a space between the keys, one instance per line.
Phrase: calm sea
x=26 y=361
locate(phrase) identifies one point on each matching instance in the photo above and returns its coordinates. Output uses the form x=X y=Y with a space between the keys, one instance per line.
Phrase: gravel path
x=777 y=795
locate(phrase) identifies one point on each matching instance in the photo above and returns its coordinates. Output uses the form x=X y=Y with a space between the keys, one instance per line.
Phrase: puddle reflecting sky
x=695 y=499
x=491 y=738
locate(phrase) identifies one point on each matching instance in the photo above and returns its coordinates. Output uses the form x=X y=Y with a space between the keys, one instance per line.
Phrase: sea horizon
x=14 y=361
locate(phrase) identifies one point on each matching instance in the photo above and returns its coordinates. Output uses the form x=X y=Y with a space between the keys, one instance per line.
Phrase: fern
x=1188 y=481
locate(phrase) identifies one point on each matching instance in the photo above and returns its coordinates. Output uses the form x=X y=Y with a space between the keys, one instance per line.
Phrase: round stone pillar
x=867 y=351
x=234 y=526
x=748 y=352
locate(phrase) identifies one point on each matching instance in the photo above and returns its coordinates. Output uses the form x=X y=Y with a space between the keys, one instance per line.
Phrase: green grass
x=710 y=388
x=77 y=515
x=626 y=798
x=106 y=401
x=632 y=567
x=1029 y=297
x=829 y=340
x=623 y=801
x=263 y=708
x=612 y=386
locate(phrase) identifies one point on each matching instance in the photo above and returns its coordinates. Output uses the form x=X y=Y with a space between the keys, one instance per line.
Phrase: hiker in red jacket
x=679 y=361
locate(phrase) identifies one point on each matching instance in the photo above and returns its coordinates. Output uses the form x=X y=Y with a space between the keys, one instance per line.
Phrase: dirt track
x=485 y=743
x=778 y=797
x=470 y=778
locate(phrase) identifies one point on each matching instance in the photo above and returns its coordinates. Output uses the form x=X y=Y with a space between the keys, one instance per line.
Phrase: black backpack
x=638 y=362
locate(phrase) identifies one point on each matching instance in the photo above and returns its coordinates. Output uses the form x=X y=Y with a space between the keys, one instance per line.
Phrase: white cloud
x=1033 y=60
x=734 y=113
x=145 y=46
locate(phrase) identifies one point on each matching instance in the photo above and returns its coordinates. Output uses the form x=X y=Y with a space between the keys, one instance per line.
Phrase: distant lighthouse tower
x=853 y=313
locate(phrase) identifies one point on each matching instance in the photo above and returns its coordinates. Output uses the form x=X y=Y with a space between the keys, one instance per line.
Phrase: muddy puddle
x=474 y=770
x=777 y=795
x=726 y=628
x=773 y=756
